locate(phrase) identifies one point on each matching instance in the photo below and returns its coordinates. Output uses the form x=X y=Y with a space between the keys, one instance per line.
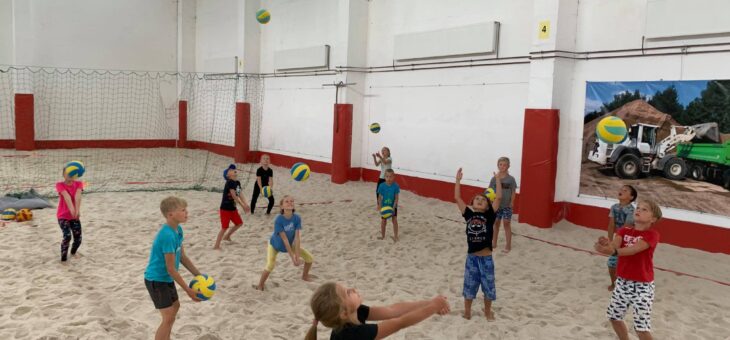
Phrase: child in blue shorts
x=504 y=212
x=621 y=214
x=479 y=267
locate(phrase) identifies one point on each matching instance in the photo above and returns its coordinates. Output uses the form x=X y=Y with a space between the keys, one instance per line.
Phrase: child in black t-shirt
x=228 y=211
x=264 y=177
x=479 y=268
x=341 y=309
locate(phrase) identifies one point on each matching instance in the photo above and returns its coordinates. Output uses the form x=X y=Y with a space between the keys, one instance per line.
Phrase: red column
x=242 y=133
x=341 y=143
x=183 y=124
x=24 y=122
x=539 y=166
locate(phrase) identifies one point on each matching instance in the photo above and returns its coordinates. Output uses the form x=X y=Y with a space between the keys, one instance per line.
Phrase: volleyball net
x=132 y=130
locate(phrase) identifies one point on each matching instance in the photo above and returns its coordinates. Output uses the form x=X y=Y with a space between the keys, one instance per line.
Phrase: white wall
x=390 y=18
x=217 y=36
x=7 y=50
x=298 y=117
x=437 y=121
x=121 y=35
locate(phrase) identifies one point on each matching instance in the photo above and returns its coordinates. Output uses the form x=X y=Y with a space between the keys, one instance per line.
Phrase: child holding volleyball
x=264 y=177
x=69 y=208
x=479 y=267
x=162 y=269
x=388 y=193
x=634 y=246
x=228 y=211
x=286 y=238
x=341 y=308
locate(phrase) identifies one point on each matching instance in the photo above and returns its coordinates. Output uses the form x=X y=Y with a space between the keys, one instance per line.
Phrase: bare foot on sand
x=489 y=316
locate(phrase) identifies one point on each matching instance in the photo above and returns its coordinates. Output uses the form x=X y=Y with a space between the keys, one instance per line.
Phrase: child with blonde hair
x=264 y=177
x=504 y=213
x=388 y=196
x=385 y=162
x=286 y=238
x=341 y=309
x=162 y=269
x=634 y=246
x=69 y=213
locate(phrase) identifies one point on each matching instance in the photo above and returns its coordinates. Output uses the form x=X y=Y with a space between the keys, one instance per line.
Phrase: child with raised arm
x=228 y=212
x=479 y=267
x=504 y=213
x=286 y=239
x=69 y=213
x=385 y=162
x=388 y=194
x=634 y=246
x=264 y=177
x=162 y=270
x=621 y=213
x=341 y=308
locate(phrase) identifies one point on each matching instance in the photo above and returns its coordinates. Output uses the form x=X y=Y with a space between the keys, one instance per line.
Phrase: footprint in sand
x=190 y=329
x=21 y=312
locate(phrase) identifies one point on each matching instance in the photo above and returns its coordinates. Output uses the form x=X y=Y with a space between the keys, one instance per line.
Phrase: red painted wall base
x=679 y=233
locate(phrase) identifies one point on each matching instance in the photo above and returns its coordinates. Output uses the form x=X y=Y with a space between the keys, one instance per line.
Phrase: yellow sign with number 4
x=544 y=30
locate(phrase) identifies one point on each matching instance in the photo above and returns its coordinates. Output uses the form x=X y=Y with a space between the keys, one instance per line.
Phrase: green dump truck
x=707 y=161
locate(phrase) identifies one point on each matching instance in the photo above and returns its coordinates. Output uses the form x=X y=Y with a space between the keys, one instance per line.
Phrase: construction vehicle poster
x=677 y=147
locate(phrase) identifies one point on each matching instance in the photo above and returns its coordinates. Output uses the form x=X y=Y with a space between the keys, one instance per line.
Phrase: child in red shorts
x=228 y=211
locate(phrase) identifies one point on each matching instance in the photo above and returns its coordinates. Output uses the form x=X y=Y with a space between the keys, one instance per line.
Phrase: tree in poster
x=667 y=101
x=713 y=105
x=618 y=100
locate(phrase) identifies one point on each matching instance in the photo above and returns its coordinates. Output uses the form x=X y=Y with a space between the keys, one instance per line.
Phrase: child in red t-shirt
x=634 y=246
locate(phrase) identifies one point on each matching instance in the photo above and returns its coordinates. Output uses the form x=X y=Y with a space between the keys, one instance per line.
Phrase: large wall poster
x=677 y=146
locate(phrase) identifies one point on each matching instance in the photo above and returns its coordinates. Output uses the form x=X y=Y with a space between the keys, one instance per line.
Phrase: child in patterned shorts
x=634 y=246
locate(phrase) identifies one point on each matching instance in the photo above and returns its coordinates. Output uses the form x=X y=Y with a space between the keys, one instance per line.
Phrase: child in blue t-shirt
x=165 y=258
x=388 y=193
x=286 y=239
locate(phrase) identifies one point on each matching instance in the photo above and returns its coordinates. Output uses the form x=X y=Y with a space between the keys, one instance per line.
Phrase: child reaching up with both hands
x=341 y=308
x=479 y=268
